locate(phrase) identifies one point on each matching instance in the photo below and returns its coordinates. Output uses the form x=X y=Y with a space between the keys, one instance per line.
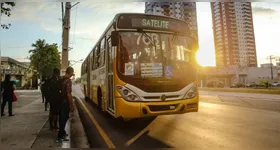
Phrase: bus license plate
x=172 y=107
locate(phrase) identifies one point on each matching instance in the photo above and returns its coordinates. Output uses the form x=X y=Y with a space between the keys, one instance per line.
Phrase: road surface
x=222 y=122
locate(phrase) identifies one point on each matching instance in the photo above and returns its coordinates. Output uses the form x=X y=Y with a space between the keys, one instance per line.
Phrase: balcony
x=231 y=12
x=247 y=20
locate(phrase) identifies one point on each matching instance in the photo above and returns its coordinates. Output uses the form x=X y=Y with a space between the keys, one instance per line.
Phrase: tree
x=44 y=57
x=6 y=11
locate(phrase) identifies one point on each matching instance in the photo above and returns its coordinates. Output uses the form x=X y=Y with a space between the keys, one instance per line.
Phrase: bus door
x=110 y=78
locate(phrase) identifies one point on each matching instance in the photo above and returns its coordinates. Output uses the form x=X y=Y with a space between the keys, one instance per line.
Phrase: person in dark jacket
x=7 y=87
x=53 y=87
x=42 y=90
x=45 y=92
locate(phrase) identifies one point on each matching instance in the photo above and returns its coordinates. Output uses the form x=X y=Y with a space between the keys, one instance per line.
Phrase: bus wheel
x=99 y=96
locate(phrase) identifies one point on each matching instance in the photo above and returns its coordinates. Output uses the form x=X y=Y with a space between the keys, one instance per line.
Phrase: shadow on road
x=146 y=141
x=120 y=131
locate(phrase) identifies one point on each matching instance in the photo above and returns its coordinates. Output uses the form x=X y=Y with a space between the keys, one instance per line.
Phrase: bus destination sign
x=152 y=23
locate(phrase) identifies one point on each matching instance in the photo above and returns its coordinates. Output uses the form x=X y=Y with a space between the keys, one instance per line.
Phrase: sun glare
x=204 y=59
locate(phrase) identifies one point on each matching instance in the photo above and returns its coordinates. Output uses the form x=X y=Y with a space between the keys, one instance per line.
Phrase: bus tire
x=99 y=98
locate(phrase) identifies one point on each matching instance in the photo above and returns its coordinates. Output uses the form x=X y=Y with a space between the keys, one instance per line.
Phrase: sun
x=204 y=58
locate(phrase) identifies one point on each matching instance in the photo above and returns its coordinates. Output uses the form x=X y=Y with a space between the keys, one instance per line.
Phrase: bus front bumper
x=131 y=110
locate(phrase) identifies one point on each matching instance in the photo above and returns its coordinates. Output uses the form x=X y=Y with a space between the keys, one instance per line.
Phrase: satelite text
x=155 y=23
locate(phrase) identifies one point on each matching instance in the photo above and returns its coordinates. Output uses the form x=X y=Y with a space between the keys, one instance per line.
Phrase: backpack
x=54 y=88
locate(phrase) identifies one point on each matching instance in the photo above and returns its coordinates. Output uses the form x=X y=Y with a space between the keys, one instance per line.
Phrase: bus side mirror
x=114 y=38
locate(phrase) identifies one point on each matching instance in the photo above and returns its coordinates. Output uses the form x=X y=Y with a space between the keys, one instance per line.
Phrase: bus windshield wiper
x=148 y=37
x=174 y=38
x=171 y=44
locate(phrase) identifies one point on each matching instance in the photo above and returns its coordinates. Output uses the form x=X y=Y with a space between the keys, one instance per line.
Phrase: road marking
x=100 y=130
x=132 y=140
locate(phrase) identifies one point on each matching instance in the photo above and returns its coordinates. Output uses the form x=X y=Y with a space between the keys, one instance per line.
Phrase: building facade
x=244 y=75
x=19 y=71
x=234 y=34
x=181 y=10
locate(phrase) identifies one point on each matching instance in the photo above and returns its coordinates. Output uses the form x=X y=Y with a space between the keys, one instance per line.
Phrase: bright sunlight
x=204 y=59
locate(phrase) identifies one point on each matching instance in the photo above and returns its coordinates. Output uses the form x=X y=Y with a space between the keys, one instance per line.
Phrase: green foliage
x=6 y=11
x=78 y=80
x=262 y=82
x=44 y=57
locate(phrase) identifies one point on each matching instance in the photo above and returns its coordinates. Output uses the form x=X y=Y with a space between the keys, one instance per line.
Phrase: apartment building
x=181 y=10
x=234 y=34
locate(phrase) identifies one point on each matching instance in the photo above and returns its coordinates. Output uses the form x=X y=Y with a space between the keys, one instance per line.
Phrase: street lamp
x=79 y=61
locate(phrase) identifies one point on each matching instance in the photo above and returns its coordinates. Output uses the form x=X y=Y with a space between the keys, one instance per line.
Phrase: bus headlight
x=127 y=94
x=191 y=93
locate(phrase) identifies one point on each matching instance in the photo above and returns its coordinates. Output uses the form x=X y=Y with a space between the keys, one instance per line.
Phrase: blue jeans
x=63 y=117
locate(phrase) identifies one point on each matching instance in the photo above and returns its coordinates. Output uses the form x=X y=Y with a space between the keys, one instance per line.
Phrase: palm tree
x=38 y=46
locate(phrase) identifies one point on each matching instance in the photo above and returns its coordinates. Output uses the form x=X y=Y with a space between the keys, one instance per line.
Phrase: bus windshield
x=153 y=55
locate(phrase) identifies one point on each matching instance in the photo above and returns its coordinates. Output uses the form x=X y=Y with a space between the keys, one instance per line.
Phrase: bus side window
x=101 y=59
x=102 y=53
x=86 y=66
x=93 y=62
x=96 y=54
x=82 y=70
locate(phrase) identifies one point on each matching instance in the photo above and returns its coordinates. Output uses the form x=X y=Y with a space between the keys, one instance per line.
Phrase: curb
x=258 y=91
x=39 y=133
x=67 y=144
x=26 y=91
x=81 y=140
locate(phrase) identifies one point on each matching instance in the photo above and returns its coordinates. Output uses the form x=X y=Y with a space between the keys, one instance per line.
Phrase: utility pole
x=1 y=53
x=65 y=38
x=1 y=41
x=65 y=35
x=271 y=65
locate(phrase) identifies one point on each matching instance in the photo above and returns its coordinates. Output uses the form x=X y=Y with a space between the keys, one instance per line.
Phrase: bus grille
x=158 y=97
x=162 y=107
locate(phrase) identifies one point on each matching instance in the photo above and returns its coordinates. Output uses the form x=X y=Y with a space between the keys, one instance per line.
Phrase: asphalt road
x=220 y=123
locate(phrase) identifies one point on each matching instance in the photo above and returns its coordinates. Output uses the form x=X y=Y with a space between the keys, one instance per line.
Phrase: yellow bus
x=142 y=65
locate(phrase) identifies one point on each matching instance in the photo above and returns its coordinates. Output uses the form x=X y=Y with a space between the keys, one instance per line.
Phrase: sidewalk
x=29 y=125
x=21 y=130
x=29 y=128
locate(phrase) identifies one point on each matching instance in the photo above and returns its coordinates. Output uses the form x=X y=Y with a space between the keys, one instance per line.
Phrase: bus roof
x=144 y=14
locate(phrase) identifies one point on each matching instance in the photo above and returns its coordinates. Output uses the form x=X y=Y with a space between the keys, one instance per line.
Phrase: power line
x=74 y=38
x=75 y=24
x=18 y=47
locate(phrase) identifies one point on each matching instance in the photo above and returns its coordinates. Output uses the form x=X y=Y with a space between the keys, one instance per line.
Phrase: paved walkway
x=21 y=130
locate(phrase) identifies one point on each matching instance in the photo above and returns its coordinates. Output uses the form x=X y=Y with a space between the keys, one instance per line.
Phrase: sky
x=41 y=20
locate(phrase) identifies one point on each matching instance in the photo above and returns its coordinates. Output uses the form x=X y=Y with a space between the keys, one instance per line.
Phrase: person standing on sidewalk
x=66 y=104
x=53 y=95
x=8 y=88
x=42 y=89
x=45 y=93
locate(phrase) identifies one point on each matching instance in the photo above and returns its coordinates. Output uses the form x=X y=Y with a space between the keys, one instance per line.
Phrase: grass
x=244 y=90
